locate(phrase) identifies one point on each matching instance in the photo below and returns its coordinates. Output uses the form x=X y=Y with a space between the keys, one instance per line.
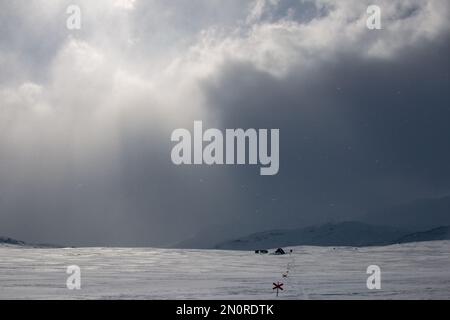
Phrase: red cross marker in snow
x=277 y=286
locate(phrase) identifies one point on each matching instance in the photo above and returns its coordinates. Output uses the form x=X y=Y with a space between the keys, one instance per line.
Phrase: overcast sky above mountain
x=86 y=115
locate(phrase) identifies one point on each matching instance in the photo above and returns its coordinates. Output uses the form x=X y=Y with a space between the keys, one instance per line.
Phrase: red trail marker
x=277 y=286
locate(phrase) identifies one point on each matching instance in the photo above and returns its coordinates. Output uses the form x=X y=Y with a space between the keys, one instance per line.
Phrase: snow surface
x=409 y=271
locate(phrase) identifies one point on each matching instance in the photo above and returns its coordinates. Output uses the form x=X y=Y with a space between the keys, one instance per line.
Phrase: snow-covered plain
x=409 y=271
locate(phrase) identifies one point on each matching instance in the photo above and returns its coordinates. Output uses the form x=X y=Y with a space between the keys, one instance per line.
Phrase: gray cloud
x=86 y=117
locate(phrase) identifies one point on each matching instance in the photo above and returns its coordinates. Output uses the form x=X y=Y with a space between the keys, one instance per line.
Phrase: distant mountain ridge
x=355 y=234
x=350 y=233
x=440 y=233
x=10 y=241
x=14 y=242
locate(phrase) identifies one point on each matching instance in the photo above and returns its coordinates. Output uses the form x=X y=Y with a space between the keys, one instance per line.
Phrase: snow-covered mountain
x=331 y=234
x=354 y=234
x=10 y=241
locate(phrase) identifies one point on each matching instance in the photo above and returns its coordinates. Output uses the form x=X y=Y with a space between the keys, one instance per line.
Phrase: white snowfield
x=408 y=271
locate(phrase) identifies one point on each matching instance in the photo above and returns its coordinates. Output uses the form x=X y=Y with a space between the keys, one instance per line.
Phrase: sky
x=86 y=115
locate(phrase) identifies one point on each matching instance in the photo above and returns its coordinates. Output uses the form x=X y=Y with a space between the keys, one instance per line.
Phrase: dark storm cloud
x=356 y=134
x=86 y=118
